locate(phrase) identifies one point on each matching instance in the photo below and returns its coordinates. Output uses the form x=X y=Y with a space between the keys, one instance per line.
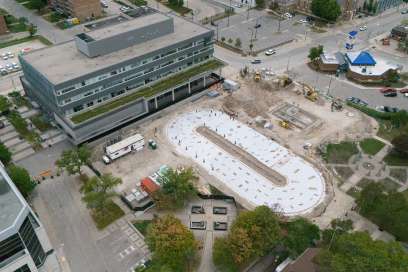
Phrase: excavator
x=284 y=124
x=257 y=76
x=310 y=93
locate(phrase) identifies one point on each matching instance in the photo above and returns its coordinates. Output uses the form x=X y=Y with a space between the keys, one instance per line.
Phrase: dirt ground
x=251 y=100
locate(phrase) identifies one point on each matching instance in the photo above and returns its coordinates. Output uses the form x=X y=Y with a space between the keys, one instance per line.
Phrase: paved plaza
x=303 y=186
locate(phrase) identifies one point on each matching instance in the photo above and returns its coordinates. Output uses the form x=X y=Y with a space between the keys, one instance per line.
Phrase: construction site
x=256 y=143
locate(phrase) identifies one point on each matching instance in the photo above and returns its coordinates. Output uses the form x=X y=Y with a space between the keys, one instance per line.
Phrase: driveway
x=45 y=28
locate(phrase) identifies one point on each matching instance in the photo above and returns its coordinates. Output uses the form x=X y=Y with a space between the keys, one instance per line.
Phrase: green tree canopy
x=260 y=4
x=5 y=154
x=356 y=251
x=38 y=4
x=327 y=9
x=338 y=227
x=177 y=188
x=4 y=104
x=315 y=52
x=98 y=191
x=388 y=210
x=172 y=244
x=300 y=235
x=32 y=29
x=72 y=160
x=253 y=234
x=21 y=179
x=400 y=143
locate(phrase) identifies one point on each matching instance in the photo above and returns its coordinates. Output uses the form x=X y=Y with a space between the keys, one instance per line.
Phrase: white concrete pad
x=305 y=186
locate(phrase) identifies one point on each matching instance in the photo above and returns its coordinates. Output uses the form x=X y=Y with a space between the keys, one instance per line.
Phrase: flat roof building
x=24 y=245
x=119 y=71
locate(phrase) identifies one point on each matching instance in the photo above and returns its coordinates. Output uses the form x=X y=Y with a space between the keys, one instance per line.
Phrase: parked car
x=405 y=90
x=388 y=90
x=363 y=28
x=2 y=125
x=258 y=25
x=405 y=11
x=124 y=8
x=390 y=109
x=270 y=52
x=390 y=94
x=104 y=4
x=356 y=100
x=10 y=55
x=287 y=15
x=239 y=5
x=9 y=67
x=303 y=21
x=3 y=72
x=256 y=61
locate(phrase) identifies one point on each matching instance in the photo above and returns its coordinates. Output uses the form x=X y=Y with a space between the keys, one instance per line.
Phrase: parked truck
x=119 y=149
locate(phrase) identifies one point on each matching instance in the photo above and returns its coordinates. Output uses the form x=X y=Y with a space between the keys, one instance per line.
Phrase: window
x=83 y=83
x=114 y=73
x=70 y=88
x=24 y=268
x=11 y=247
x=88 y=93
x=90 y=104
x=32 y=243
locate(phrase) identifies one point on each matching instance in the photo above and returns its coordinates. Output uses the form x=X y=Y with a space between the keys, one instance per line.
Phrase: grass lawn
x=364 y=182
x=149 y=91
x=371 y=146
x=113 y=212
x=399 y=174
x=40 y=123
x=21 y=127
x=405 y=193
x=26 y=39
x=180 y=10
x=17 y=27
x=353 y=192
x=142 y=225
x=344 y=172
x=139 y=2
x=340 y=153
x=389 y=185
x=396 y=159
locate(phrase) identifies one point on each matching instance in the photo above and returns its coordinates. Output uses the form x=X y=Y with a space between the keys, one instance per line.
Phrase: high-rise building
x=124 y=69
x=81 y=9
x=24 y=244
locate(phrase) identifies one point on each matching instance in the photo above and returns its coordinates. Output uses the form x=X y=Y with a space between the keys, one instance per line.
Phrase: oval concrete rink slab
x=302 y=190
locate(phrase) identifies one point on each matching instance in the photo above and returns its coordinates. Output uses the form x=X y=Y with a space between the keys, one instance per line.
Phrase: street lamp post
x=256 y=26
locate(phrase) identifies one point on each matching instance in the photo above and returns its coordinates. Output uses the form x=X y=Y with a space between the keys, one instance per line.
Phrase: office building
x=125 y=68
x=24 y=245
x=81 y=9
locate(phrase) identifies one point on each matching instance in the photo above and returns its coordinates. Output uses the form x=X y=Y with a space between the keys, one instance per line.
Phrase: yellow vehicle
x=257 y=76
x=310 y=93
x=284 y=124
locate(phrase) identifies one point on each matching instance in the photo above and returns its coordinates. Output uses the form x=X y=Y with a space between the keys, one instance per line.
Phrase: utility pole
x=249 y=5
x=287 y=65
x=328 y=89
x=279 y=23
x=256 y=26
x=229 y=12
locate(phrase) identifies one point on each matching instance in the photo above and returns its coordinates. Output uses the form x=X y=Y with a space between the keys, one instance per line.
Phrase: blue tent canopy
x=353 y=33
x=362 y=59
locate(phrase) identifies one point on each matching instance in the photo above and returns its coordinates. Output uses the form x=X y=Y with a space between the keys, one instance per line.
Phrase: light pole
x=250 y=41
x=229 y=12
x=256 y=26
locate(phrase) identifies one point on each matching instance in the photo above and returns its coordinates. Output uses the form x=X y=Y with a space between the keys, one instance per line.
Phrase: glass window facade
x=32 y=243
x=11 y=247
x=24 y=268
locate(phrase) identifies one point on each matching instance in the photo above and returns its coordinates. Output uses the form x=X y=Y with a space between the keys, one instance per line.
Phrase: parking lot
x=270 y=32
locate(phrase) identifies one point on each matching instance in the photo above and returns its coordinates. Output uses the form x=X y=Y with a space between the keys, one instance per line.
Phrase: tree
x=400 y=143
x=222 y=256
x=338 y=227
x=230 y=40
x=98 y=191
x=253 y=234
x=260 y=4
x=326 y=9
x=238 y=42
x=251 y=46
x=223 y=39
x=4 y=104
x=38 y=4
x=177 y=188
x=389 y=210
x=172 y=244
x=5 y=154
x=21 y=179
x=72 y=160
x=315 y=52
x=32 y=29
x=301 y=234
x=358 y=252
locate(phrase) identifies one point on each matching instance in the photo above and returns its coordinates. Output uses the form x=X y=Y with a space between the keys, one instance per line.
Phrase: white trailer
x=230 y=85
x=119 y=149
